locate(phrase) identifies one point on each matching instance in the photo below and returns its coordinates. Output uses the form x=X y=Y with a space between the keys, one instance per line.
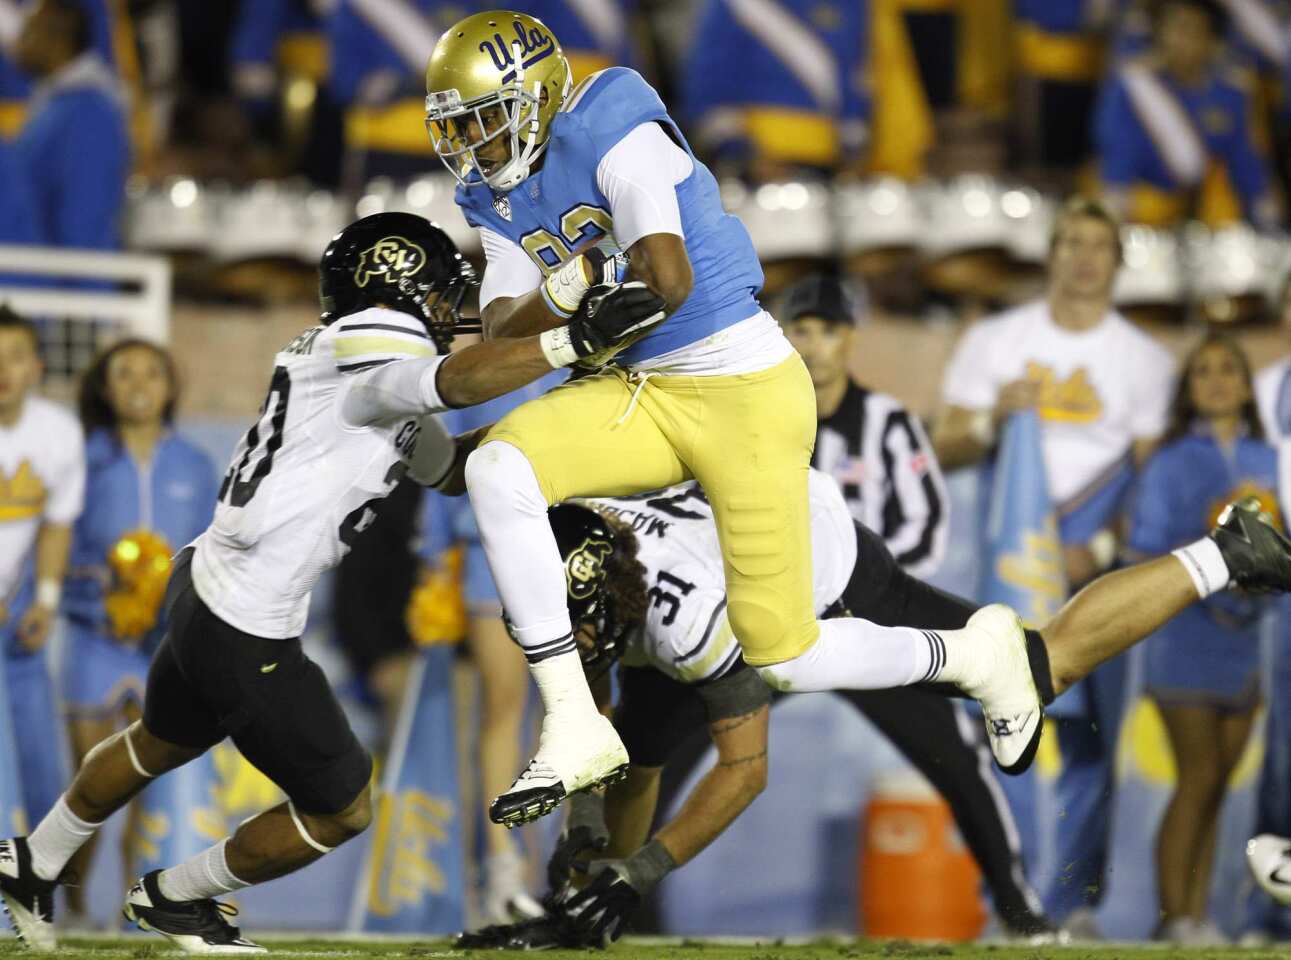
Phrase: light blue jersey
x=560 y=211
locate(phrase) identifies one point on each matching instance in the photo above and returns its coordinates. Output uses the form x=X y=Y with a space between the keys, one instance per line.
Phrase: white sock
x=1205 y=565
x=511 y=512
x=854 y=654
x=563 y=686
x=200 y=877
x=56 y=838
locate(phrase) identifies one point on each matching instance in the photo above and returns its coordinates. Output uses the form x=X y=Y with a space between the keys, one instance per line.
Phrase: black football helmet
x=397 y=260
x=586 y=543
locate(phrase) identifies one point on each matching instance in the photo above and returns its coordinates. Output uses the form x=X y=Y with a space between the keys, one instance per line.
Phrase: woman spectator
x=148 y=492
x=1202 y=668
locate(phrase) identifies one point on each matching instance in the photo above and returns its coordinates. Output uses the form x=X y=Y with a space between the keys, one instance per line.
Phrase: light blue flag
x=414 y=878
x=13 y=815
x=1023 y=567
x=1023 y=563
x=179 y=816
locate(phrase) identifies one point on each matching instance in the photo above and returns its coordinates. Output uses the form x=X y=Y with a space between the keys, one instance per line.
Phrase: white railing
x=141 y=307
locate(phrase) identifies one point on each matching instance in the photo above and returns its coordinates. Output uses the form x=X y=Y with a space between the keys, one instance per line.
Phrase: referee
x=871 y=445
x=878 y=453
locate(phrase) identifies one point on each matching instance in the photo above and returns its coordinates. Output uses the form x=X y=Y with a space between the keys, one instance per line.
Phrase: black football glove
x=575 y=844
x=597 y=915
x=610 y=315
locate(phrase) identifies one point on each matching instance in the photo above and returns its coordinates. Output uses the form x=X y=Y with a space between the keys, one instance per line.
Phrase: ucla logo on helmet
x=389 y=258
x=585 y=568
x=532 y=41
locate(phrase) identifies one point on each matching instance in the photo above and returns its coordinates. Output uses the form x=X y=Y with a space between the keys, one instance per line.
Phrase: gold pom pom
x=436 y=611
x=140 y=565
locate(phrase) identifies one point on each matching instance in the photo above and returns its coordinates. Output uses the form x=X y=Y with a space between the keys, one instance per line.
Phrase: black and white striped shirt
x=878 y=453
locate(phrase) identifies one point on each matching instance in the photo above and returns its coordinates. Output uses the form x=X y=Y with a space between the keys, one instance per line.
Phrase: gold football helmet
x=495 y=79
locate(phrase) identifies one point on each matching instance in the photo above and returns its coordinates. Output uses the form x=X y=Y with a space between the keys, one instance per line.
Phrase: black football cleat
x=27 y=899
x=1257 y=554
x=195 y=926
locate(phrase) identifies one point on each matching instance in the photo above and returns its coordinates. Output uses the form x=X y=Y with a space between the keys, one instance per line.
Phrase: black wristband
x=648 y=866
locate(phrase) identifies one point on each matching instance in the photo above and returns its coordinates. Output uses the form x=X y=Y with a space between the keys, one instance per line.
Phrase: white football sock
x=56 y=838
x=855 y=654
x=563 y=686
x=1205 y=565
x=200 y=877
x=511 y=512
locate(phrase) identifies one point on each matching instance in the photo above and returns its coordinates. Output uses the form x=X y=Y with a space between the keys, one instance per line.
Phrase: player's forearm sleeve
x=405 y=388
x=434 y=453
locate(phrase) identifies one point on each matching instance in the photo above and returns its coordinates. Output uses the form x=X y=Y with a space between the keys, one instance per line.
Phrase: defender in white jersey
x=644 y=585
x=347 y=414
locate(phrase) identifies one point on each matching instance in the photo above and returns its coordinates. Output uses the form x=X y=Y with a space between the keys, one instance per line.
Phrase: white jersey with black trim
x=686 y=633
x=303 y=481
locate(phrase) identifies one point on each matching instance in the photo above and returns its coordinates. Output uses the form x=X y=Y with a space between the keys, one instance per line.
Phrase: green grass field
x=141 y=948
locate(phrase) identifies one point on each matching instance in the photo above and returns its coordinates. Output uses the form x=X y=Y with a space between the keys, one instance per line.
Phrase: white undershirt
x=638 y=176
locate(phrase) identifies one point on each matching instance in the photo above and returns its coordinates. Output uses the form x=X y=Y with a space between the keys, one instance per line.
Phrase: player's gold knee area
x=766 y=635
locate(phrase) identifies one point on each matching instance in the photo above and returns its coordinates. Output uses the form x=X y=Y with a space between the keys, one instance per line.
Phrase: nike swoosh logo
x=1275 y=878
x=269 y=667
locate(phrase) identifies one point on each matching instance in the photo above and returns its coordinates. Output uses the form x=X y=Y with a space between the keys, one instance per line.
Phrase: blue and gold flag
x=1023 y=564
x=413 y=881
x=13 y=815
x=179 y=816
x=1023 y=567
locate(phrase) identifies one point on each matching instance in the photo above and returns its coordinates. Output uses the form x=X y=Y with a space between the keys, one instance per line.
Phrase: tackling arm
x=739 y=775
x=607 y=316
x=737 y=709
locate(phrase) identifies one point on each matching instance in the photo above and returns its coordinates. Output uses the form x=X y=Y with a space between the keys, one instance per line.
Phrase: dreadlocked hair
x=625 y=575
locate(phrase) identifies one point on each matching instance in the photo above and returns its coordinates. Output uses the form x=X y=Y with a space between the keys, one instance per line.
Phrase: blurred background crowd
x=903 y=167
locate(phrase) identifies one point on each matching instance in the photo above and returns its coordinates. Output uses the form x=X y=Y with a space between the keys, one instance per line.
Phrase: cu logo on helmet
x=390 y=258
x=585 y=568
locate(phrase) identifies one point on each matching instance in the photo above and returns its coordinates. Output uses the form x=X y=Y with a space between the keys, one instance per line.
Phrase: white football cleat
x=571 y=757
x=1004 y=687
x=1269 y=858
x=27 y=899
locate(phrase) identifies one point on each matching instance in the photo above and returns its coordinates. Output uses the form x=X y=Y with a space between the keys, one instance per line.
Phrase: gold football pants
x=746 y=438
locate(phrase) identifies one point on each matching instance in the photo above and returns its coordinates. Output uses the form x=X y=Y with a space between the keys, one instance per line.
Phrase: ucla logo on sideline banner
x=390 y=258
x=585 y=568
x=1035 y=571
x=532 y=41
x=414 y=878
x=411 y=827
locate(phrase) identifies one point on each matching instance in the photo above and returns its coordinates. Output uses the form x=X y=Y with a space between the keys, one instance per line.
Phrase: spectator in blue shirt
x=148 y=492
x=771 y=95
x=1174 y=131
x=1203 y=667
x=74 y=146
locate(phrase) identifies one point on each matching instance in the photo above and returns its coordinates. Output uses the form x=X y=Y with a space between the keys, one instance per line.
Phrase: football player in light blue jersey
x=573 y=190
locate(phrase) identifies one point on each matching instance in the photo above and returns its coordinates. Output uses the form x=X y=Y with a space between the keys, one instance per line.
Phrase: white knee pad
x=304 y=834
